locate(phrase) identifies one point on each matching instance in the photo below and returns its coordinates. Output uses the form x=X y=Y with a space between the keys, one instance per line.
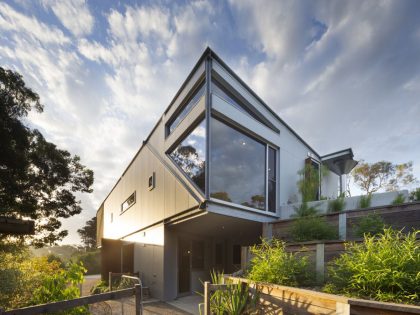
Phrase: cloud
x=15 y=22
x=340 y=73
x=73 y=14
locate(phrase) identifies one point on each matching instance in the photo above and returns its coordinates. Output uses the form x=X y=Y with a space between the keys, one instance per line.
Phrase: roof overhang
x=340 y=162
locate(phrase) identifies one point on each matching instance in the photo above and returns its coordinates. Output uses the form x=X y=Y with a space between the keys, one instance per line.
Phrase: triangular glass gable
x=190 y=155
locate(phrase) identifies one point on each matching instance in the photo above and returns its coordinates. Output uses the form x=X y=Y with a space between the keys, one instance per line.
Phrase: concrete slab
x=188 y=303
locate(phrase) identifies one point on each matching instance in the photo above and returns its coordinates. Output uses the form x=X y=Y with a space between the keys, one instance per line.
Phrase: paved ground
x=183 y=306
x=188 y=303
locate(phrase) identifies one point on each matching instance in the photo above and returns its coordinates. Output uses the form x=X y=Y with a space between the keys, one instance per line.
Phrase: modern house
x=217 y=167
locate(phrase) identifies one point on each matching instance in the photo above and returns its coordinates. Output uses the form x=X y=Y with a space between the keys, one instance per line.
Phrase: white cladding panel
x=166 y=199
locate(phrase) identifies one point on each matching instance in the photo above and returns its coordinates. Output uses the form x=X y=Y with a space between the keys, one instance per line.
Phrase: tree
x=372 y=177
x=37 y=180
x=88 y=233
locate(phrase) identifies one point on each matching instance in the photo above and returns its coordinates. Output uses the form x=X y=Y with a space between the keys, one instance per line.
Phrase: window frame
x=319 y=165
x=122 y=210
x=276 y=159
x=201 y=83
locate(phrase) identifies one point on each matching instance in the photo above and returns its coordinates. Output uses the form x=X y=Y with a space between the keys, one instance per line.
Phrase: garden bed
x=277 y=299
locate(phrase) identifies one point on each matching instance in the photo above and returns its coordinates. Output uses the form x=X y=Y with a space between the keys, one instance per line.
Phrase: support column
x=320 y=263
x=342 y=226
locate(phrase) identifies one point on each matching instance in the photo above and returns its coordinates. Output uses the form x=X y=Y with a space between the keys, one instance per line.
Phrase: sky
x=341 y=73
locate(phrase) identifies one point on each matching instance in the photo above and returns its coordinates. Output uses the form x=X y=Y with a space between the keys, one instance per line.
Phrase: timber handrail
x=64 y=305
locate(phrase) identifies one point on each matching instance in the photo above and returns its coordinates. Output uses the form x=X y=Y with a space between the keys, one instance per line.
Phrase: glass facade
x=238 y=167
x=190 y=155
x=186 y=109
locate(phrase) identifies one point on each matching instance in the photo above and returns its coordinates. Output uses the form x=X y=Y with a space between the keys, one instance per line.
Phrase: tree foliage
x=88 y=233
x=37 y=179
x=26 y=280
x=372 y=177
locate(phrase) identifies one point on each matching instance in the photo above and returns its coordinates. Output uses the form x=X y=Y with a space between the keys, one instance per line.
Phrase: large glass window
x=238 y=166
x=186 y=109
x=190 y=155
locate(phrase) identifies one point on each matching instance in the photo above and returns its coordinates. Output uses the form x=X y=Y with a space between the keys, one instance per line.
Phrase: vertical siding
x=168 y=198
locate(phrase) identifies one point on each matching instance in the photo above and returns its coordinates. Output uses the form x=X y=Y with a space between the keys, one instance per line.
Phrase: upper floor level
x=217 y=147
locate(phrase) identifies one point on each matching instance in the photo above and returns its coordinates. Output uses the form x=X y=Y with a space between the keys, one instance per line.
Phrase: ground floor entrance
x=204 y=244
x=173 y=260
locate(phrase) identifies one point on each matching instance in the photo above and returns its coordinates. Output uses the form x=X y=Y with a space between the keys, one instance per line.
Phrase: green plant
x=304 y=210
x=383 y=268
x=100 y=287
x=337 y=205
x=236 y=299
x=399 y=199
x=415 y=195
x=61 y=285
x=271 y=263
x=370 y=224
x=365 y=201
x=312 y=228
x=27 y=280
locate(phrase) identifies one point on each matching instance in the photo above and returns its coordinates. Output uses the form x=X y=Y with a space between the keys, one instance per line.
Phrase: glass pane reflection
x=237 y=167
x=190 y=155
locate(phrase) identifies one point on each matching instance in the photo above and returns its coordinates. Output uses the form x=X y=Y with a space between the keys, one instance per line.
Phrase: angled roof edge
x=208 y=52
x=344 y=151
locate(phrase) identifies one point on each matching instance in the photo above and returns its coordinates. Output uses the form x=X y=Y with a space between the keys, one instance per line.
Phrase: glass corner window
x=190 y=155
x=238 y=167
x=243 y=170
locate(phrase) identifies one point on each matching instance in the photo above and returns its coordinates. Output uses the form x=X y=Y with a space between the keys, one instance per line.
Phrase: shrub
x=337 y=205
x=365 y=201
x=100 y=287
x=236 y=299
x=271 y=263
x=304 y=210
x=27 y=280
x=384 y=268
x=415 y=195
x=399 y=199
x=371 y=224
x=312 y=228
x=61 y=285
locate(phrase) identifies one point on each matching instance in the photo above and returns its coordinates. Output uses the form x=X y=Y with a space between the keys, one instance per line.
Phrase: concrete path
x=188 y=303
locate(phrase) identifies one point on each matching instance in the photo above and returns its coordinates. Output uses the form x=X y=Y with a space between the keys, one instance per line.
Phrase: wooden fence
x=405 y=216
x=65 y=305
x=276 y=299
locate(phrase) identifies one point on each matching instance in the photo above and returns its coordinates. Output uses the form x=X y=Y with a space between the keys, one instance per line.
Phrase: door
x=219 y=259
x=184 y=267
